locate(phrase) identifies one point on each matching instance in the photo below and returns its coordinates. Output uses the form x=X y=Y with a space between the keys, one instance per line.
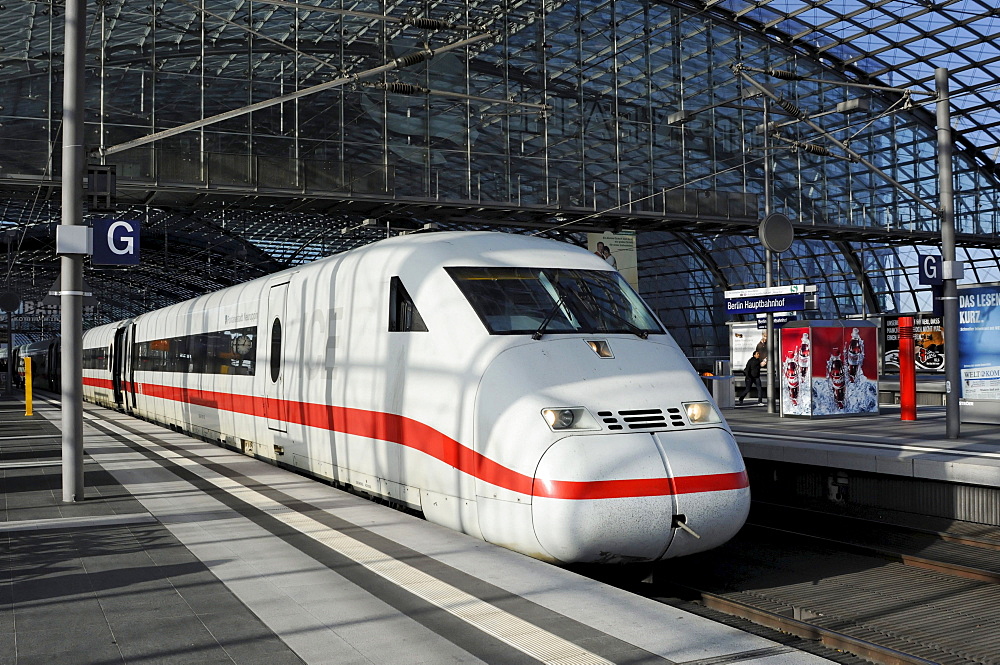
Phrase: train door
x=118 y=366
x=275 y=406
x=53 y=362
x=129 y=366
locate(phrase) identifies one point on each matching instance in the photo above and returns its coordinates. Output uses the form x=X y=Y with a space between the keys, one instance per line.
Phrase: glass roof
x=899 y=43
x=575 y=115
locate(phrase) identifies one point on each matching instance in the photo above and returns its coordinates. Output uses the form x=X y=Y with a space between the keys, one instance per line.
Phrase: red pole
x=907 y=370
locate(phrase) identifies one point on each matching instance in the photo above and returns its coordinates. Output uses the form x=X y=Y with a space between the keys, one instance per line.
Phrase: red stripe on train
x=611 y=489
x=97 y=383
x=418 y=436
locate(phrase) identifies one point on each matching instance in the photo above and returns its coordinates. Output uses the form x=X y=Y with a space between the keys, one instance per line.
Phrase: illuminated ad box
x=979 y=353
x=828 y=368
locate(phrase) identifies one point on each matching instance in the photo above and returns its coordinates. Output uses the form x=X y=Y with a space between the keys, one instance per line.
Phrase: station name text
x=755 y=304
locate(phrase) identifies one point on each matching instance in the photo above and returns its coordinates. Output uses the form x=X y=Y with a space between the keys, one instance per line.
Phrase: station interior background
x=343 y=123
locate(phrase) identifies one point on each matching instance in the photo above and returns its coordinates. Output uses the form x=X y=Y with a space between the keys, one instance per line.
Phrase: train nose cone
x=602 y=499
x=710 y=484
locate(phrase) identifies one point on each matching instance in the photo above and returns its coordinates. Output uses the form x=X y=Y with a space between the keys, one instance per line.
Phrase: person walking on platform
x=752 y=373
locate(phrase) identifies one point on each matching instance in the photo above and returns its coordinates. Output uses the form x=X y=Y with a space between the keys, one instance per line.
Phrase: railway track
x=895 y=594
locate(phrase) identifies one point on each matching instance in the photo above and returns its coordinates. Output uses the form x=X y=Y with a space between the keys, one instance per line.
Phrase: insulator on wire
x=397 y=88
x=412 y=58
x=791 y=109
x=783 y=74
x=814 y=149
x=429 y=23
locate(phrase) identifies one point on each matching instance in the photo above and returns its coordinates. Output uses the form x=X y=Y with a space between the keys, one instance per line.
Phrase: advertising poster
x=618 y=249
x=979 y=342
x=794 y=373
x=829 y=368
x=928 y=344
x=844 y=370
x=744 y=339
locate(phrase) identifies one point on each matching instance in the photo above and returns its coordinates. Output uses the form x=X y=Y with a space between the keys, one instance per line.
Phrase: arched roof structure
x=310 y=128
x=898 y=43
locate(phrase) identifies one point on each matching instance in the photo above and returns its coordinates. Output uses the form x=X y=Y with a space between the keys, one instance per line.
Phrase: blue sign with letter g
x=116 y=242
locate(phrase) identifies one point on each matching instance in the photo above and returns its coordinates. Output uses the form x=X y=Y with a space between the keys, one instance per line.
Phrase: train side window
x=403 y=314
x=232 y=351
x=96 y=358
x=275 y=350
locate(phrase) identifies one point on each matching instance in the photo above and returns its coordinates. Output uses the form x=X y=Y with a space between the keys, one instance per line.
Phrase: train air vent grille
x=643 y=418
x=675 y=417
x=608 y=418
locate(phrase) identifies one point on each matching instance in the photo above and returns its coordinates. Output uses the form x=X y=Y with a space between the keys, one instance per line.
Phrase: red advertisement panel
x=844 y=370
x=861 y=346
x=793 y=372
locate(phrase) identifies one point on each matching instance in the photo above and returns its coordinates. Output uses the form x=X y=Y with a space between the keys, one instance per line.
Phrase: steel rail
x=952 y=569
x=800 y=626
x=829 y=638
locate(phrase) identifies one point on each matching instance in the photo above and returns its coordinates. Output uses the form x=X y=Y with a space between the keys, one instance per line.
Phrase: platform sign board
x=930 y=269
x=789 y=302
x=979 y=352
x=928 y=343
x=790 y=298
x=777 y=318
x=116 y=242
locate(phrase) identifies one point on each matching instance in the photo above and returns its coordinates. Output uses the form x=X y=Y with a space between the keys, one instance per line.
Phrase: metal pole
x=768 y=274
x=953 y=383
x=907 y=370
x=71 y=284
x=10 y=354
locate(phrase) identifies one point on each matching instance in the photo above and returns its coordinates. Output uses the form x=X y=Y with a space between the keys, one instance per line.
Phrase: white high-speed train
x=512 y=388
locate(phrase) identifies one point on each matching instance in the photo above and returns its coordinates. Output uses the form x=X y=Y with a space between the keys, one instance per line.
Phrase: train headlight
x=571 y=417
x=701 y=413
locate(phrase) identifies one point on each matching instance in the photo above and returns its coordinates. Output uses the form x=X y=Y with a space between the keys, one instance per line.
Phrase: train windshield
x=513 y=301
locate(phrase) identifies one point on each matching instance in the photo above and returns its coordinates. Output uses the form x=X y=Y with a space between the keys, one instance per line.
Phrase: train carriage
x=512 y=388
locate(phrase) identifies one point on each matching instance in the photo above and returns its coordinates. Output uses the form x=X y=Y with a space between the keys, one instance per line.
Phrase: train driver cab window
x=403 y=314
x=275 y=350
x=537 y=301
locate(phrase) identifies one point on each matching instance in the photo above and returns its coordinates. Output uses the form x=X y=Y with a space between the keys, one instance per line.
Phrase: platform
x=881 y=444
x=184 y=552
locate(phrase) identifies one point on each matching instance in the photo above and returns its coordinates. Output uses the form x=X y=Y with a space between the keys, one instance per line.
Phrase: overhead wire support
x=773 y=96
x=399 y=88
x=407 y=60
x=810 y=148
x=792 y=76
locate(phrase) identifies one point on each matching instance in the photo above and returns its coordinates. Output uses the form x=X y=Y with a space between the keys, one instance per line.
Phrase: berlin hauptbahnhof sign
x=791 y=298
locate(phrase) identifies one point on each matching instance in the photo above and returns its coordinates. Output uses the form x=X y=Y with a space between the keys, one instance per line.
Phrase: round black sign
x=9 y=302
x=776 y=232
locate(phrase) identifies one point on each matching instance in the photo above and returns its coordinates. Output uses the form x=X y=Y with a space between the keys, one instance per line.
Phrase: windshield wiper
x=634 y=329
x=548 y=317
x=595 y=306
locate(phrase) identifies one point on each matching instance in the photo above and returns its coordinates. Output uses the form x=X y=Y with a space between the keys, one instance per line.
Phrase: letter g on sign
x=930 y=269
x=124 y=237
x=116 y=242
